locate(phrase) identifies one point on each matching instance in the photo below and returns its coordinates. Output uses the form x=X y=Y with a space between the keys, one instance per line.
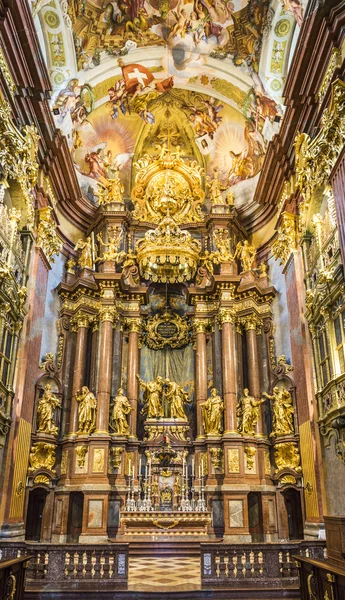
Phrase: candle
x=202 y=468
x=199 y=472
x=129 y=467
x=133 y=471
x=140 y=466
x=193 y=468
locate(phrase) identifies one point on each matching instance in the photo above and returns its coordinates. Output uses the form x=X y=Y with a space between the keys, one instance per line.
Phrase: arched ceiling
x=206 y=76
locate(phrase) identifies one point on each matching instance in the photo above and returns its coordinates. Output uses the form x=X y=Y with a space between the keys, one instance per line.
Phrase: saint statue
x=246 y=253
x=45 y=411
x=283 y=411
x=86 y=411
x=216 y=188
x=85 y=260
x=112 y=191
x=155 y=491
x=212 y=413
x=177 y=397
x=177 y=489
x=222 y=241
x=153 y=391
x=112 y=246
x=248 y=413
x=120 y=409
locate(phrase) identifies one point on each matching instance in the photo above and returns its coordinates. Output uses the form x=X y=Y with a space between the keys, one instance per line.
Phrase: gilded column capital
x=226 y=315
x=251 y=322
x=200 y=325
x=108 y=313
x=81 y=319
x=47 y=238
x=134 y=324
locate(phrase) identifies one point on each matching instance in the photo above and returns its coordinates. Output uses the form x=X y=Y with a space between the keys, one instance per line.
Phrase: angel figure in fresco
x=85 y=260
x=87 y=410
x=248 y=413
x=179 y=28
x=212 y=413
x=283 y=411
x=153 y=391
x=95 y=162
x=45 y=411
x=295 y=7
x=120 y=409
x=117 y=96
x=246 y=253
x=177 y=397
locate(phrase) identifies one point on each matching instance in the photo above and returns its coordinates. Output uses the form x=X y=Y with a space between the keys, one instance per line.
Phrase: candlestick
x=193 y=468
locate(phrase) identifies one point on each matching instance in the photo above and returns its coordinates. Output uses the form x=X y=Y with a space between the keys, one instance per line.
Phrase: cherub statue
x=113 y=245
x=246 y=253
x=212 y=413
x=248 y=413
x=283 y=411
x=177 y=397
x=216 y=188
x=206 y=261
x=87 y=410
x=85 y=260
x=120 y=409
x=222 y=241
x=153 y=390
x=45 y=411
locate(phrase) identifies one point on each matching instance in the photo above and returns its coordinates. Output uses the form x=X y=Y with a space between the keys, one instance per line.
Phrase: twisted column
x=226 y=321
x=107 y=317
x=81 y=325
x=134 y=329
x=200 y=328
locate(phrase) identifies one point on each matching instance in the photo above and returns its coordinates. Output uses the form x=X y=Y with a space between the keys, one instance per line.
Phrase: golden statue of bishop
x=87 y=410
x=212 y=413
x=45 y=411
x=153 y=392
x=120 y=409
x=248 y=413
x=283 y=411
x=177 y=397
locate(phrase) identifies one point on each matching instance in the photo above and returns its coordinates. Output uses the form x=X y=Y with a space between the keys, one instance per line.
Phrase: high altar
x=167 y=341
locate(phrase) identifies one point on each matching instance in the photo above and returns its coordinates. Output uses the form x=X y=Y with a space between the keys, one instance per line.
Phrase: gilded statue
x=177 y=488
x=206 y=261
x=216 y=188
x=177 y=397
x=153 y=391
x=155 y=491
x=45 y=411
x=246 y=253
x=85 y=260
x=212 y=413
x=120 y=409
x=112 y=191
x=112 y=245
x=87 y=410
x=222 y=242
x=283 y=411
x=248 y=413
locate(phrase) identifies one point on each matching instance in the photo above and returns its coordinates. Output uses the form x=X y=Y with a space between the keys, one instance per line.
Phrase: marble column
x=226 y=320
x=107 y=317
x=251 y=324
x=82 y=322
x=134 y=329
x=200 y=328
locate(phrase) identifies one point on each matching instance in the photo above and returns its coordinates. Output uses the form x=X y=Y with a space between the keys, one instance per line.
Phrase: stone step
x=164 y=548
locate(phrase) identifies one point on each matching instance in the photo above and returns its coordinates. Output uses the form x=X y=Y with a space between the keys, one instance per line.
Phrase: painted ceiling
x=205 y=77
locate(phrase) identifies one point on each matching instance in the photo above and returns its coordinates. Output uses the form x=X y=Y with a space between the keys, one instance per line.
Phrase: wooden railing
x=254 y=565
x=60 y=567
x=320 y=579
x=12 y=578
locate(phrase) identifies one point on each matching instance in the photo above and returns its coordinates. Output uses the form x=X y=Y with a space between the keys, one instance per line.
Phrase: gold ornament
x=81 y=452
x=116 y=456
x=87 y=410
x=177 y=397
x=111 y=191
x=167 y=185
x=233 y=460
x=283 y=411
x=167 y=254
x=334 y=62
x=287 y=456
x=112 y=245
x=63 y=464
x=212 y=414
x=286 y=240
x=120 y=409
x=6 y=73
x=216 y=457
x=166 y=329
x=246 y=253
x=153 y=390
x=45 y=412
x=248 y=413
x=216 y=188
x=249 y=455
x=42 y=456
x=222 y=242
x=85 y=260
x=47 y=238
x=175 y=431
x=288 y=480
x=42 y=479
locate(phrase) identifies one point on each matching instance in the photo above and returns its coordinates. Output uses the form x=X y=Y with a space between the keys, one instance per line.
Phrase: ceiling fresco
x=205 y=77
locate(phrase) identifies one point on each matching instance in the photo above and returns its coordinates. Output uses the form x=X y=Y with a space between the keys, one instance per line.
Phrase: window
x=339 y=330
x=5 y=355
x=325 y=365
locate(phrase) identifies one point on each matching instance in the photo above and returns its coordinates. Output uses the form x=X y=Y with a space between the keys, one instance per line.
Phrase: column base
x=85 y=538
x=59 y=539
x=314 y=531
x=237 y=539
x=14 y=532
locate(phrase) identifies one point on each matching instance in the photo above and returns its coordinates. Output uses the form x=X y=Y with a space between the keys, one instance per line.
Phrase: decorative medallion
x=167 y=329
x=282 y=28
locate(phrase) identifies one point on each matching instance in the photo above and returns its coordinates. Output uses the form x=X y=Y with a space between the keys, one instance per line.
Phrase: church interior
x=172 y=305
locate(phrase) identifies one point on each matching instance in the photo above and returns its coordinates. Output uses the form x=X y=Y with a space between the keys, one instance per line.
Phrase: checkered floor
x=151 y=574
